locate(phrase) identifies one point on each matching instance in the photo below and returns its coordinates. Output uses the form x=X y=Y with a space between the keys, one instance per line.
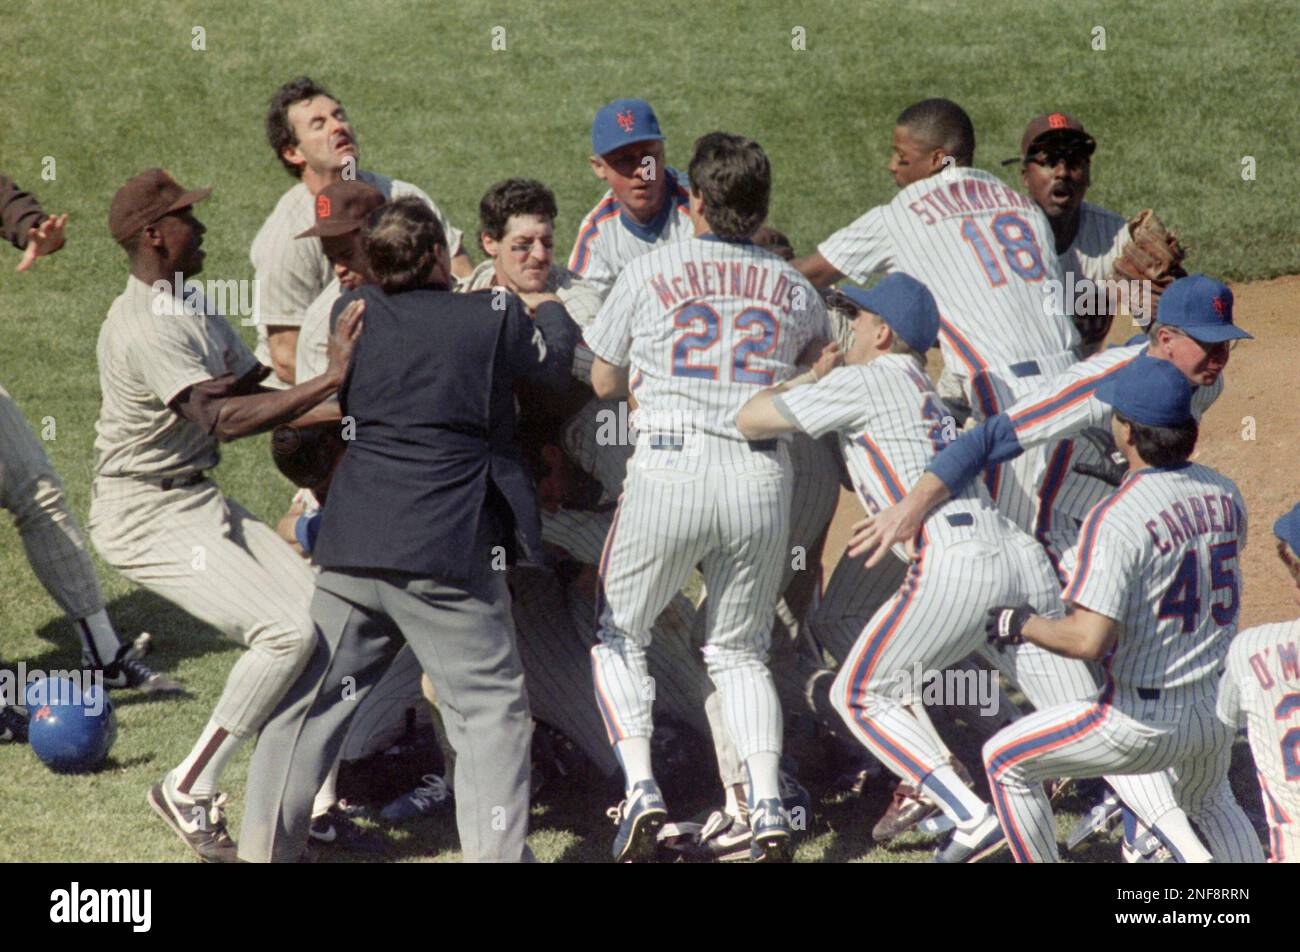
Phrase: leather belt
x=1148 y=694
x=177 y=482
x=960 y=519
x=1027 y=368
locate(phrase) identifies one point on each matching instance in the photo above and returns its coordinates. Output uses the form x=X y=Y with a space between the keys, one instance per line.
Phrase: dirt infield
x=1250 y=434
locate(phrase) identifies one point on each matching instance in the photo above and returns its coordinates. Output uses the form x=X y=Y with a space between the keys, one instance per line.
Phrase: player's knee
x=291 y=639
x=36 y=503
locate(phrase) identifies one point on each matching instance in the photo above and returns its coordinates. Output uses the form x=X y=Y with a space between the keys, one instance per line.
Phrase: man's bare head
x=927 y=134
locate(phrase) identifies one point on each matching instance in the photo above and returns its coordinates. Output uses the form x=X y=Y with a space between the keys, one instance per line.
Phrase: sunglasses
x=1225 y=345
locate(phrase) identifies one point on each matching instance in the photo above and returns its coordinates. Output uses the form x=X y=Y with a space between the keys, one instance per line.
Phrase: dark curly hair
x=733 y=177
x=515 y=196
x=279 y=131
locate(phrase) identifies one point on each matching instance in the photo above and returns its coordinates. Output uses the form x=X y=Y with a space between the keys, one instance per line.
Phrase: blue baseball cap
x=905 y=304
x=1149 y=391
x=1201 y=308
x=1288 y=529
x=621 y=122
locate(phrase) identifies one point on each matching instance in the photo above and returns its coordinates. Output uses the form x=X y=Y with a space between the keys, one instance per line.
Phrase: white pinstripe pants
x=208 y=555
x=1121 y=734
x=718 y=505
x=31 y=490
x=936 y=619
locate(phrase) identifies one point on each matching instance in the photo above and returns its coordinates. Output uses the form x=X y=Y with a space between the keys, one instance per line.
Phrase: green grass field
x=1179 y=97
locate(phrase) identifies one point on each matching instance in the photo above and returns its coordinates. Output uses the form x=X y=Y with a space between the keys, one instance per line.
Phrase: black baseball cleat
x=13 y=724
x=973 y=844
x=200 y=822
x=128 y=672
x=336 y=829
x=773 y=839
x=639 y=819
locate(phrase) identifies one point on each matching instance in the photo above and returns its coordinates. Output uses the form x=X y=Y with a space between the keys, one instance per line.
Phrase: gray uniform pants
x=465 y=642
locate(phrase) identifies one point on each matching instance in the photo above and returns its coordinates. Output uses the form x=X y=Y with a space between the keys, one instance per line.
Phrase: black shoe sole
x=643 y=842
x=158 y=801
x=774 y=848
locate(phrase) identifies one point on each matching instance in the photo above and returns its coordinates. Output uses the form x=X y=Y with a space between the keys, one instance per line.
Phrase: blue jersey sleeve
x=993 y=441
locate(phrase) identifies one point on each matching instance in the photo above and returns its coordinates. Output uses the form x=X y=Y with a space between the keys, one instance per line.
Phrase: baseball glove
x=1113 y=465
x=1153 y=256
x=1006 y=624
x=306 y=454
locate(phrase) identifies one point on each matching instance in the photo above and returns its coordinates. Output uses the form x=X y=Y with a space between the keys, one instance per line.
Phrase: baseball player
x=890 y=422
x=1055 y=168
x=338 y=229
x=31 y=491
x=1154 y=590
x=1195 y=333
x=984 y=251
x=175 y=380
x=691 y=329
x=314 y=140
x=516 y=230
x=575 y=473
x=647 y=202
x=1260 y=691
x=647 y=205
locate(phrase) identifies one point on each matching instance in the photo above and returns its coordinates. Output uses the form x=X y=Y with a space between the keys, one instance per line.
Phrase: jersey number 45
x=756 y=328
x=1183 y=598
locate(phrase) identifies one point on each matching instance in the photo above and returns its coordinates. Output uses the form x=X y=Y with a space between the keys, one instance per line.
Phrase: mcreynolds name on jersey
x=956 y=198
x=733 y=278
x=1201 y=515
x=77 y=905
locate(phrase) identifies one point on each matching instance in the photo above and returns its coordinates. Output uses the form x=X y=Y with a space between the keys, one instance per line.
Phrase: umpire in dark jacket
x=428 y=506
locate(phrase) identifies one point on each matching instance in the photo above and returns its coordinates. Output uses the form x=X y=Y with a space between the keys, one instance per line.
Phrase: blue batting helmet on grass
x=71 y=727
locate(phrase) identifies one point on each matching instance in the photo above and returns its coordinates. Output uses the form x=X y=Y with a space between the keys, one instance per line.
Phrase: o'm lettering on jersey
x=688 y=318
x=760 y=345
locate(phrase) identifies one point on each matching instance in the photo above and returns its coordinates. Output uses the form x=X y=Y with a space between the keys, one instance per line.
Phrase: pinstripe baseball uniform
x=890 y=420
x=984 y=251
x=187 y=542
x=1048 y=417
x=32 y=492
x=312 y=353
x=701 y=324
x=556 y=635
x=292 y=272
x=608 y=238
x=1100 y=240
x=1261 y=692
x=1159 y=556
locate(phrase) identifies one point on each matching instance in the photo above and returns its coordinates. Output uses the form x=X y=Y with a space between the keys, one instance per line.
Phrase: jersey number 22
x=702 y=326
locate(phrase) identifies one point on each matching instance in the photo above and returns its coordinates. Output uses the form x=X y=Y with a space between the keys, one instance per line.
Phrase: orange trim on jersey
x=1088 y=539
x=606 y=210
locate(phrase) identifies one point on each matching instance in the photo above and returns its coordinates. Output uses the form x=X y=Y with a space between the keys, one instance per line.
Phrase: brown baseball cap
x=1052 y=127
x=342 y=208
x=146 y=198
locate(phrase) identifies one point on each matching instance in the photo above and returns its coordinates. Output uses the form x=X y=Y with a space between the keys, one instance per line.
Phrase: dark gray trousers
x=465 y=642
